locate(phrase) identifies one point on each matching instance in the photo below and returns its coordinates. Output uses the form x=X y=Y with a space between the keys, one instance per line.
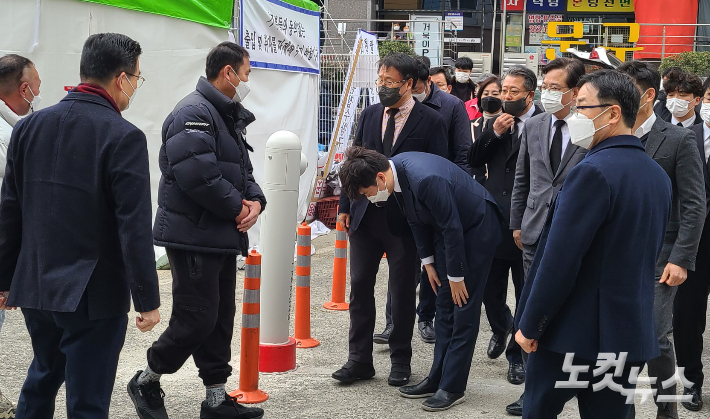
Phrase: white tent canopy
x=173 y=59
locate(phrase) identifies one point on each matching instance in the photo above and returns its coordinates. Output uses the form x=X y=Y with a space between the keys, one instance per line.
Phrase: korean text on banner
x=279 y=35
x=600 y=6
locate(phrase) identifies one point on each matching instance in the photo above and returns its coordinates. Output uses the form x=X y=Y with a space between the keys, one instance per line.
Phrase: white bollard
x=284 y=164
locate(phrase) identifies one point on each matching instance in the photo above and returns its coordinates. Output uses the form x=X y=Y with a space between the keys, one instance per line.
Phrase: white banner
x=279 y=35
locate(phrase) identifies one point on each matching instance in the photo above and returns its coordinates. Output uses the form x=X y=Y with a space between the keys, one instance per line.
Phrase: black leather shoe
x=418 y=391
x=516 y=373
x=516 y=409
x=399 y=375
x=353 y=371
x=497 y=345
x=443 y=400
x=384 y=337
x=697 y=401
x=426 y=330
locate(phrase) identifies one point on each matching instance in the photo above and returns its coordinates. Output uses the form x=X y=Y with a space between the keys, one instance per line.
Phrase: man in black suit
x=684 y=92
x=459 y=141
x=589 y=292
x=691 y=300
x=456 y=225
x=675 y=150
x=397 y=124
x=498 y=149
x=75 y=241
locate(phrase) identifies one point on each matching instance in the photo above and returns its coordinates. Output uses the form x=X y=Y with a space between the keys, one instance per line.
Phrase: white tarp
x=173 y=59
x=280 y=35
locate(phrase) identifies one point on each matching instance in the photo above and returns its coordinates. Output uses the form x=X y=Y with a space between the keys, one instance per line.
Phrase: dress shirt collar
x=527 y=115
x=687 y=123
x=397 y=188
x=405 y=108
x=645 y=128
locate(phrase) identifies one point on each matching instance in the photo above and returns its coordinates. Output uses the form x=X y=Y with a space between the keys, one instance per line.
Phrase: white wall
x=174 y=53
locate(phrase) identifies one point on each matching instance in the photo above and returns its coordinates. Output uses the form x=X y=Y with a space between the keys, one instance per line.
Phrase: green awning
x=209 y=12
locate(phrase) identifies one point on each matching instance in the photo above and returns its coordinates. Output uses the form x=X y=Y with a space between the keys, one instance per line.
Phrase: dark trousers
x=367 y=244
x=690 y=311
x=544 y=401
x=426 y=309
x=456 y=328
x=499 y=316
x=202 y=319
x=71 y=348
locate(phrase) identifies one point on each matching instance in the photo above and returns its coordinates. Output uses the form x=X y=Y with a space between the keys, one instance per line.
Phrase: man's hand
x=458 y=292
x=254 y=211
x=673 y=275
x=4 y=295
x=503 y=123
x=528 y=345
x=433 y=277
x=146 y=321
x=516 y=237
x=344 y=220
x=242 y=215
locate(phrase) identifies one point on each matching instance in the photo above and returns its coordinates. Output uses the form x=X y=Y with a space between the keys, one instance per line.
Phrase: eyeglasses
x=574 y=108
x=513 y=92
x=140 y=79
x=389 y=84
x=553 y=88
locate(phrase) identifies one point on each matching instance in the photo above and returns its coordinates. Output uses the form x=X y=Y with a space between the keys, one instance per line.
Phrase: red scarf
x=98 y=91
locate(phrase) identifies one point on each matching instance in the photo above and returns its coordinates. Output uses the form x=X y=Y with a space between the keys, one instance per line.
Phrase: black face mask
x=515 y=107
x=491 y=104
x=388 y=95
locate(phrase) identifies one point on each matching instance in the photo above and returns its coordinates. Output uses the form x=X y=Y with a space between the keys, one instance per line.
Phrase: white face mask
x=705 y=113
x=462 y=77
x=678 y=107
x=420 y=96
x=36 y=99
x=131 y=97
x=381 y=196
x=241 y=90
x=581 y=129
x=552 y=101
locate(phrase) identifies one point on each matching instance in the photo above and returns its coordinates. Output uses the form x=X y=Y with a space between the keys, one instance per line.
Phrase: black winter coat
x=206 y=172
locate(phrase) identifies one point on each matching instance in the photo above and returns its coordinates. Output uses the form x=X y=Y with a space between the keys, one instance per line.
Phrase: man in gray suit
x=546 y=157
x=675 y=150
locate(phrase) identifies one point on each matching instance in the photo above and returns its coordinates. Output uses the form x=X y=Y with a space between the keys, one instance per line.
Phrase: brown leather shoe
x=669 y=412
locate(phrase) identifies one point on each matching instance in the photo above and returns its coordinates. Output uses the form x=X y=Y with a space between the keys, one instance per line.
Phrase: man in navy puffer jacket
x=207 y=199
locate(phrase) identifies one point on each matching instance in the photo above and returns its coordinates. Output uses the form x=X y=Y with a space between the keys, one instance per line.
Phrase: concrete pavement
x=309 y=391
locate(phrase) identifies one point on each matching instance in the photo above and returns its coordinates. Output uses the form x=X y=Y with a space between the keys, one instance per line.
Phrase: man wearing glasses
x=75 y=241
x=395 y=125
x=595 y=263
x=546 y=157
x=498 y=148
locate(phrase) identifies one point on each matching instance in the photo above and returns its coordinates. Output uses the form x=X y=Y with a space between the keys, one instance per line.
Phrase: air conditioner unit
x=482 y=62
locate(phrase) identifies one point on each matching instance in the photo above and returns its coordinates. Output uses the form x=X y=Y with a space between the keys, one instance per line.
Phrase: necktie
x=515 y=133
x=556 y=149
x=680 y=124
x=388 y=140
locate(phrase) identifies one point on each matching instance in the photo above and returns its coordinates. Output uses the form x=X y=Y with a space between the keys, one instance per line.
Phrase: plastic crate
x=328 y=211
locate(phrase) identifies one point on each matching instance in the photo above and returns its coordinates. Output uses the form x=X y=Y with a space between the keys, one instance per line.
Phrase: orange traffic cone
x=337 y=299
x=248 y=391
x=302 y=329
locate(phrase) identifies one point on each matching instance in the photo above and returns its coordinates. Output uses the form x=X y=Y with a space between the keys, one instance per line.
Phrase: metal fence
x=429 y=37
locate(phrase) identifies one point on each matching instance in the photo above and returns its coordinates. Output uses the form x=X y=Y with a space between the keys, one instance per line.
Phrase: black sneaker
x=230 y=409
x=147 y=398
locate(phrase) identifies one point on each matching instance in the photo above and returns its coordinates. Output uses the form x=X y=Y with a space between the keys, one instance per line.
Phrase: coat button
x=544 y=318
x=507 y=170
x=547 y=204
x=140 y=287
x=539 y=329
x=505 y=193
x=554 y=184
